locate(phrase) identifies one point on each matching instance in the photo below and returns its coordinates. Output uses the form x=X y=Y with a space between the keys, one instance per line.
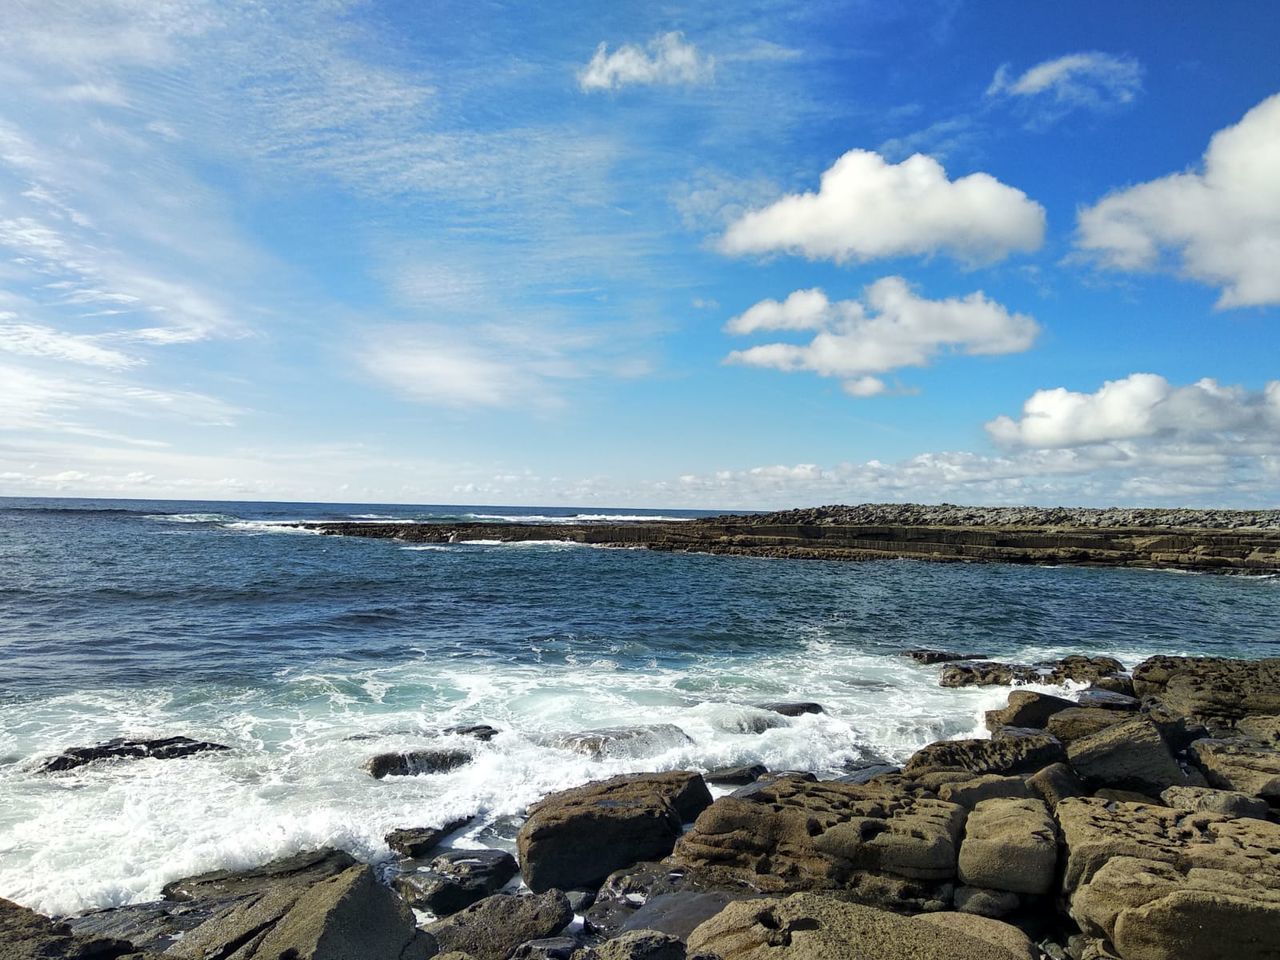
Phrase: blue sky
x=715 y=255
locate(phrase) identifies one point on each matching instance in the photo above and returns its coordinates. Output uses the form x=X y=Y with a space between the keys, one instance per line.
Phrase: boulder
x=792 y=708
x=417 y=842
x=808 y=926
x=456 y=879
x=1265 y=729
x=578 y=837
x=1006 y=756
x=1002 y=935
x=1227 y=803
x=1009 y=845
x=1247 y=766
x=1216 y=690
x=1080 y=722
x=986 y=903
x=493 y=927
x=548 y=948
x=641 y=945
x=1026 y=708
x=476 y=731
x=26 y=935
x=1056 y=783
x=414 y=762
x=931 y=657
x=627 y=743
x=970 y=793
x=1100 y=699
x=985 y=673
x=736 y=776
x=796 y=835
x=1129 y=756
x=124 y=748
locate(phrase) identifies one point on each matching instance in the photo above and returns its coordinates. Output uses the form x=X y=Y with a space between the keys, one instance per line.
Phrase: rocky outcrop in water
x=123 y=748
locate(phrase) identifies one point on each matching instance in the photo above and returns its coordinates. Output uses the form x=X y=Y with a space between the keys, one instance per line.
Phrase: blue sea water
x=306 y=654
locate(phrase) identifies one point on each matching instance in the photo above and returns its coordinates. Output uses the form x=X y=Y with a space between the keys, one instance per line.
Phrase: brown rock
x=1009 y=845
x=1129 y=756
x=1026 y=708
x=417 y=842
x=492 y=928
x=26 y=935
x=1246 y=766
x=1056 y=783
x=1227 y=803
x=1218 y=690
x=1080 y=722
x=414 y=762
x=1006 y=756
x=1002 y=935
x=1265 y=729
x=969 y=793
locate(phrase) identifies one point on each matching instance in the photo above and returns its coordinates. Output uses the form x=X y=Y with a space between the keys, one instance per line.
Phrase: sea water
x=306 y=654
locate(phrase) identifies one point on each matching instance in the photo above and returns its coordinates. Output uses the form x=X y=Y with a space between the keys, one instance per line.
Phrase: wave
x=190 y=517
x=574 y=518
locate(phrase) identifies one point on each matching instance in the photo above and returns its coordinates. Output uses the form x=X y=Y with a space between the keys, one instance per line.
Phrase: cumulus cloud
x=667 y=59
x=1091 y=80
x=889 y=328
x=866 y=209
x=1143 y=405
x=1220 y=225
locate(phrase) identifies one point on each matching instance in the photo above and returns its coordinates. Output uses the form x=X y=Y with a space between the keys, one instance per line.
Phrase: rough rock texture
x=1129 y=756
x=1227 y=803
x=970 y=793
x=678 y=914
x=413 y=762
x=1080 y=722
x=795 y=835
x=622 y=742
x=1216 y=690
x=931 y=657
x=122 y=748
x=674 y=890
x=985 y=673
x=1056 y=783
x=456 y=879
x=642 y=945
x=807 y=926
x=736 y=776
x=982 y=928
x=492 y=928
x=1263 y=728
x=1006 y=756
x=1026 y=708
x=416 y=842
x=1249 y=767
x=548 y=948
x=628 y=819
x=986 y=903
x=1098 y=698
x=344 y=916
x=26 y=935
x=1009 y=845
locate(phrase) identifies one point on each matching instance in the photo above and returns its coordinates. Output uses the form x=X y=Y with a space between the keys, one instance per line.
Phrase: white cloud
x=1144 y=405
x=889 y=328
x=668 y=59
x=866 y=209
x=1221 y=225
x=1091 y=80
x=33 y=340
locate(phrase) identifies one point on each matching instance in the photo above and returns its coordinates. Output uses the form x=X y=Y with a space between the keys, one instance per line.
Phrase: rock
x=26 y=935
x=1149 y=910
x=931 y=657
x=1021 y=755
x=736 y=775
x=677 y=914
x=798 y=835
x=623 y=742
x=986 y=903
x=1227 y=803
x=1001 y=935
x=1246 y=766
x=1056 y=783
x=493 y=927
x=299 y=871
x=1216 y=690
x=1080 y=722
x=414 y=762
x=642 y=945
x=478 y=731
x=1009 y=845
x=674 y=890
x=807 y=926
x=417 y=842
x=986 y=673
x=1100 y=699
x=792 y=708
x=457 y=879
x=1265 y=729
x=548 y=948
x=1126 y=796
x=578 y=837
x=349 y=915
x=969 y=793
x=867 y=773
x=1129 y=756
x=1026 y=708
x=122 y=748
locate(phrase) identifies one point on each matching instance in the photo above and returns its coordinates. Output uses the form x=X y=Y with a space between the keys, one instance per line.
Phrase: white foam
x=190 y=517
x=575 y=518
x=269 y=526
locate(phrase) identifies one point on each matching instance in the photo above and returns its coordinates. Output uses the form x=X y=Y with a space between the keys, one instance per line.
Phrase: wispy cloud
x=667 y=59
x=1092 y=80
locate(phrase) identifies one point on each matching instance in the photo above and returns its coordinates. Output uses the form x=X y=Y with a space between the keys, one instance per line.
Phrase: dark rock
x=792 y=708
x=1080 y=722
x=985 y=673
x=414 y=762
x=580 y=900
x=492 y=928
x=478 y=731
x=678 y=914
x=866 y=773
x=1127 y=756
x=549 y=948
x=1097 y=697
x=122 y=748
x=623 y=742
x=642 y=945
x=931 y=657
x=1056 y=783
x=630 y=889
x=1016 y=733
x=300 y=871
x=773 y=775
x=1026 y=708
x=456 y=879
x=417 y=842
x=26 y=935
x=578 y=837
x=736 y=775
x=1008 y=756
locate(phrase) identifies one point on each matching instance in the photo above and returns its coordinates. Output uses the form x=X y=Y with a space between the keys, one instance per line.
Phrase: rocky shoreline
x=1217 y=541
x=1136 y=818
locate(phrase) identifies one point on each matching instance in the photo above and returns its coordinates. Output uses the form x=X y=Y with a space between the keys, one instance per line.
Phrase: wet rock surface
x=417 y=842
x=410 y=763
x=123 y=748
x=495 y=926
x=456 y=879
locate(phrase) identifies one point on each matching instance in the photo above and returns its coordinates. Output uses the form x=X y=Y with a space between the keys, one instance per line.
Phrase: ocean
x=307 y=654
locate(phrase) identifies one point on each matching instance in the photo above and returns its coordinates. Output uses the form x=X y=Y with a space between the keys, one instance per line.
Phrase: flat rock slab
x=1129 y=756
x=1004 y=756
x=1010 y=845
x=1215 y=689
x=1246 y=766
x=1227 y=803
x=970 y=793
x=122 y=748
x=808 y=926
x=576 y=838
x=987 y=673
x=1077 y=723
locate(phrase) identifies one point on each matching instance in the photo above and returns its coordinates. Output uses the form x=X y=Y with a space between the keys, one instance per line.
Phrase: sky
x=713 y=255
